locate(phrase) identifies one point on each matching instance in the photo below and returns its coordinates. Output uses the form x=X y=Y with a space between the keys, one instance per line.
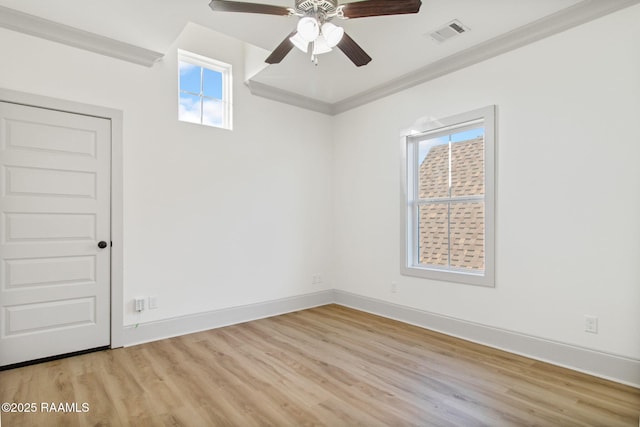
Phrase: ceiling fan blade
x=353 y=51
x=362 y=9
x=281 y=50
x=241 y=6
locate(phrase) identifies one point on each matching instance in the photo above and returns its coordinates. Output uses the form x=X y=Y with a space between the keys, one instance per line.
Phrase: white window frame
x=410 y=265
x=227 y=84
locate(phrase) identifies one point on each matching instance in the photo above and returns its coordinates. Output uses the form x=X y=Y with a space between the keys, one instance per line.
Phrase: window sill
x=463 y=277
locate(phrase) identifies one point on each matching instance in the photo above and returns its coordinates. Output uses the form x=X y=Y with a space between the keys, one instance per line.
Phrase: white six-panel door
x=54 y=210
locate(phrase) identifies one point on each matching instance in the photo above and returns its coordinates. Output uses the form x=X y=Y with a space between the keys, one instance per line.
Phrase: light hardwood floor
x=330 y=366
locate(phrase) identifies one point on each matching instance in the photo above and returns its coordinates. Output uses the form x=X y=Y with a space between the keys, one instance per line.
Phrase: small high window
x=449 y=203
x=204 y=90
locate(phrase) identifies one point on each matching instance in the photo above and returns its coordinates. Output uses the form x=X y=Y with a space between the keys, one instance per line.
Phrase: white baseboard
x=604 y=365
x=167 y=328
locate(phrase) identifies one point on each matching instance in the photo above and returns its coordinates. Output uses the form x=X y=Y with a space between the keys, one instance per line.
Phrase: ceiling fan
x=315 y=33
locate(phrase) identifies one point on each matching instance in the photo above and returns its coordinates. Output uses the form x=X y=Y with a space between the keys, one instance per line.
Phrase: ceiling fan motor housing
x=328 y=7
x=317 y=14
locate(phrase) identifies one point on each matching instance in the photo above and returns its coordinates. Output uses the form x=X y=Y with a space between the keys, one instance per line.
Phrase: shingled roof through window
x=460 y=222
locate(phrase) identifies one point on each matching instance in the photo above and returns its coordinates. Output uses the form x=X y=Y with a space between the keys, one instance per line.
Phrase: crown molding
x=560 y=21
x=60 y=33
x=565 y=19
x=275 y=94
x=555 y=23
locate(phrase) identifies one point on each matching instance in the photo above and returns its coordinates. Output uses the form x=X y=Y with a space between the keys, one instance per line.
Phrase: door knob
x=102 y=244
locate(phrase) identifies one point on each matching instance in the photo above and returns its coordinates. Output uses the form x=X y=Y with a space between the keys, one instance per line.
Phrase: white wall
x=568 y=201
x=216 y=219
x=212 y=218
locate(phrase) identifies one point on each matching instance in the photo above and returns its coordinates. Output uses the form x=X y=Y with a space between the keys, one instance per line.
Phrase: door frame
x=117 y=260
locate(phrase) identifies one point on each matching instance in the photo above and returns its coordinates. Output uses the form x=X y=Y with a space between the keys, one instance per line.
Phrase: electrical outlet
x=394 y=287
x=591 y=324
x=153 y=302
x=138 y=304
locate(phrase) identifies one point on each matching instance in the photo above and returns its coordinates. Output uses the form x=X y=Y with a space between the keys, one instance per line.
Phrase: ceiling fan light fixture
x=314 y=14
x=320 y=46
x=332 y=33
x=299 y=42
x=308 y=28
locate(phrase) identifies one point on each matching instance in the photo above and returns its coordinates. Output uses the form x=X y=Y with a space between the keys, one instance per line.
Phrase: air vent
x=452 y=29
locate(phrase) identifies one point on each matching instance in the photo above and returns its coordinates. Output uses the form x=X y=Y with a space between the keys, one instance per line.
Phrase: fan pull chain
x=314 y=58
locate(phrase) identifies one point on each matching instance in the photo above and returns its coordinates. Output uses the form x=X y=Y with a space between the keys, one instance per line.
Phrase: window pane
x=467 y=235
x=468 y=134
x=189 y=108
x=467 y=164
x=189 y=77
x=212 y=112
x=433 y=173
x=212 y=84
x=434 y=234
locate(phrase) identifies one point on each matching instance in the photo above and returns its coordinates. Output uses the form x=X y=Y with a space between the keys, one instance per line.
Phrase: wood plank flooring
x=330 y=366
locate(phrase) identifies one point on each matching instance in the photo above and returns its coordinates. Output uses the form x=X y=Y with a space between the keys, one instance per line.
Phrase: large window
x=448 y=203
x=204 y=90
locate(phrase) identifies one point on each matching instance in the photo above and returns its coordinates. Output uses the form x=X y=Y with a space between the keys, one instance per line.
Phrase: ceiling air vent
x=452 y=29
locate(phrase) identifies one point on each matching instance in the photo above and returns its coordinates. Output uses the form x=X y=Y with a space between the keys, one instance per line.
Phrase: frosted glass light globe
x=308 y=28
x=332 y=33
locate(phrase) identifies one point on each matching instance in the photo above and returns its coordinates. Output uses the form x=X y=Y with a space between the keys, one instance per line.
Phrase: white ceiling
x=399 y=45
